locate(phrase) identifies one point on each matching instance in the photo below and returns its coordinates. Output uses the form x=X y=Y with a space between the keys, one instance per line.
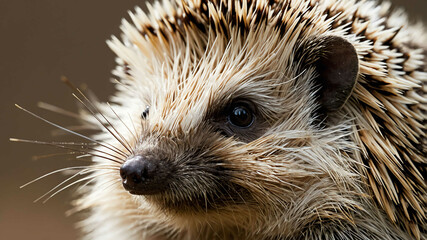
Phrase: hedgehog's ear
x=337 y=68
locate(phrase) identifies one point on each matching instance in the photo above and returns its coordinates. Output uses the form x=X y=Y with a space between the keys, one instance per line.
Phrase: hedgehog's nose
x=143 y=175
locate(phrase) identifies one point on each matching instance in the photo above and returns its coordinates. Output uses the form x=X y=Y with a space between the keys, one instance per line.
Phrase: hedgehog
x=256 y=119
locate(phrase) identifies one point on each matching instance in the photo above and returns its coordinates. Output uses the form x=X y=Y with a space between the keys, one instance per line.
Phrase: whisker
x=61 y=111
x=103 y=116
x=90 y=178
x=94 y=178
x=83 y=156
x=71 y=153
x=64 y=146
x=82 y=145
x=38 y=157
x=67 y=186
x=134 y=128
x=100 y=121
x=124 y=124
x=84 y=171
x=99 y=167
x=106 y=145
x=74 y=88
x=59 y=132
x=51 y=173
x=112 y=184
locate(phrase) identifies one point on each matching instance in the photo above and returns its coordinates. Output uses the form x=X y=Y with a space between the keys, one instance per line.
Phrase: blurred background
x=40 y=41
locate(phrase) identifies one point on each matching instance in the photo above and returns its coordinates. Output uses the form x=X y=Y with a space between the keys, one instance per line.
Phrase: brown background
x=39 y=42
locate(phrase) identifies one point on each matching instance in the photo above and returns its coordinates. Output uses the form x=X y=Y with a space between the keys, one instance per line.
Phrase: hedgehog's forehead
x=189 y=85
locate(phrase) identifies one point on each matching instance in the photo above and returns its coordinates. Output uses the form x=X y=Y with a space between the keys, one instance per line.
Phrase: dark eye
x=241 y=115
x=144 y=114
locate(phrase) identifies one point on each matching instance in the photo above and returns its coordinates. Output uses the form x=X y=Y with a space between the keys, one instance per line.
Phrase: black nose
x=143 y=175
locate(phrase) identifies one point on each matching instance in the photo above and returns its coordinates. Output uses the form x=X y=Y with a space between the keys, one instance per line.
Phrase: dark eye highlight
x=144 y=114
x=240 y=115
x=239 y=119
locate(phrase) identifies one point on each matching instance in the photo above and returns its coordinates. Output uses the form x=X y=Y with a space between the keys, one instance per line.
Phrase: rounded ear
x=337 y=67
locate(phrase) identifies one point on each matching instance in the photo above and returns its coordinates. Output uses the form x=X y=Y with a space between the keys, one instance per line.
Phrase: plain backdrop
x=39 y=42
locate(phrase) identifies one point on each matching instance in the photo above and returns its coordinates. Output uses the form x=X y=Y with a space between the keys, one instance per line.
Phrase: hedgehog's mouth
x=185 y=200
x=141 y=193
x=177 y=195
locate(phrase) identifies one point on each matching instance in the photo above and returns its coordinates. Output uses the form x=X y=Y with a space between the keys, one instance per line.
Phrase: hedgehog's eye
x=240 y=115
x=241 y=119
x=144 y=114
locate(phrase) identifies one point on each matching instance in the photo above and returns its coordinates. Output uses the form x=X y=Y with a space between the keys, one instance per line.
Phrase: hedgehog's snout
x=144 y=175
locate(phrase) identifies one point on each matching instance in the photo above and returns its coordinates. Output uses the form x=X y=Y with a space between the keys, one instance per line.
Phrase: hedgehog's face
x=234 y=132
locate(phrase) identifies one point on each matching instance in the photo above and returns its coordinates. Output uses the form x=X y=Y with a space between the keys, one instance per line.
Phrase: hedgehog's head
x=239 y=122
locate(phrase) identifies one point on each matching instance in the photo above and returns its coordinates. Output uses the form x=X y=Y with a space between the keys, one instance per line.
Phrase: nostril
x=143 y=175
x=122 y=173
x=132 y=170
